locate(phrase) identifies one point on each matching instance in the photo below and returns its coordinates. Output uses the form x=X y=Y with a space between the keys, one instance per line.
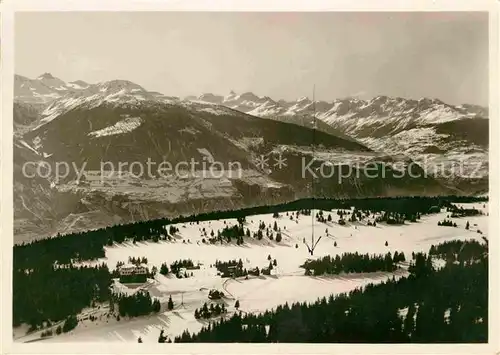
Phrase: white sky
x=282 y=55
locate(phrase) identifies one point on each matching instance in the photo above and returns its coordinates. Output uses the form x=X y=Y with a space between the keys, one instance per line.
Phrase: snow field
x=257 y=294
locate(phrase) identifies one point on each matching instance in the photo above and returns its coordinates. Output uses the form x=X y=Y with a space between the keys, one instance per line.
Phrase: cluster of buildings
x=130 y=273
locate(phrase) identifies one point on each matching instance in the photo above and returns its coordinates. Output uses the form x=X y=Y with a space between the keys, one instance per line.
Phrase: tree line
x=207 y=312
x=90 y=245
x=353 y=263
x=458 y=250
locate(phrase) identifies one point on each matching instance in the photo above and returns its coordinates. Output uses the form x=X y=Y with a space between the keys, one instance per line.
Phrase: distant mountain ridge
x=44 y=88
x=359 y=118
x=356 y=118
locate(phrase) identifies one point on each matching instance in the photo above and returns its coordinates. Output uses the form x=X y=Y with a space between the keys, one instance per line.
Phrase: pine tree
x=162 y=338
x=237 y=304
x=409 y=322
x=70 y=323
x=170 y=303
x=467 y=225
x=217 y=309
x=205 y=313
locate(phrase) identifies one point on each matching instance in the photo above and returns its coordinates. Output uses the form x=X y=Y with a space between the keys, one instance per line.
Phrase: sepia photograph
x=251 y=177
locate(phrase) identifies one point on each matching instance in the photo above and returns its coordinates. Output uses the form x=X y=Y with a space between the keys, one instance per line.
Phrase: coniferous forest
x=136 y=305
x=51 y=293
x=50 y=286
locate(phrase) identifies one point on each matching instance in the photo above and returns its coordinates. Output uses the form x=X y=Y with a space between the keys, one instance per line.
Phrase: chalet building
x=130 y=273
x=230 y=272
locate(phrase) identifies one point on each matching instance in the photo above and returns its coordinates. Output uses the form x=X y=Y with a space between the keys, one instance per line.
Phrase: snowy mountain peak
x=303 y=99
x=231 y=96
x=46 y=76
x=380 y=98
x=211 y=98
x=78 y=84
x=52 y=82
x=357 y=117
x=249 y=96
x=119 y=85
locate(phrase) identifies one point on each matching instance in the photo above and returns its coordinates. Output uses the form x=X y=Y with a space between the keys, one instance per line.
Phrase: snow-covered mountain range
x=120 y=121
x=451 y=140
x=44 y=88
x=379 y=116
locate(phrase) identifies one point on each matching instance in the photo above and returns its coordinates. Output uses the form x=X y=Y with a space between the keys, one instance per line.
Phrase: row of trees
x=138 y=304
x=458 y=212
x=398 y=217
x=447 y=223
x=238 y=233
x=438 y=309
x=176 y=267
x=458 y=250
x=233 y=268
x=184 y=263
x=69 y=324
x=207 y=312
x=230 y=268
x=137 y=261
x=353 y=262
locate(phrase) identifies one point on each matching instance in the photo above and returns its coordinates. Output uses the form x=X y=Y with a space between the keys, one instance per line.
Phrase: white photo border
x=10 y=7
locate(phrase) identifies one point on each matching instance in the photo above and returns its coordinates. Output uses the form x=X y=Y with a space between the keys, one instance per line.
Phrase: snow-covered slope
x=116 y=92
x=287 y=283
